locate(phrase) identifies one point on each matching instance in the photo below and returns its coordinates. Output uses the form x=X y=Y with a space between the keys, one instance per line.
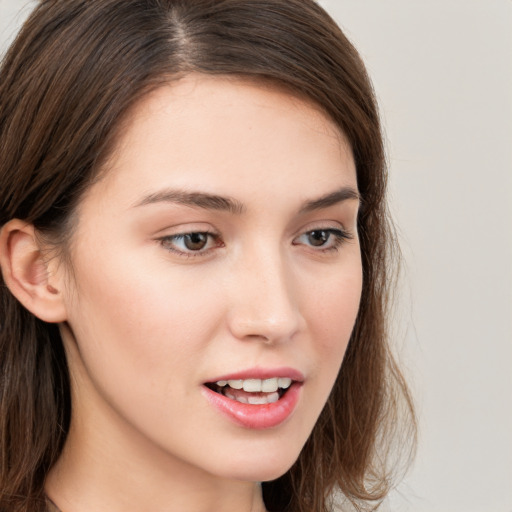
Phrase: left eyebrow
x=331 y=199
x=194 y=199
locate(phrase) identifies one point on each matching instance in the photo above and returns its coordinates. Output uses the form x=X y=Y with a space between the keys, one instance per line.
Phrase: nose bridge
x=263 y=303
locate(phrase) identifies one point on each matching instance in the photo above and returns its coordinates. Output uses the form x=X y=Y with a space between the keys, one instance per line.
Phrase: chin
x=266 y=466
x=260 y=474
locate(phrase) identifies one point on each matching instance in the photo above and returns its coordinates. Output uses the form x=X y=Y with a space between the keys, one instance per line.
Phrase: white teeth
x=269 y=385
x=257 y=385
x=241 y=399
x=255 y=400
x=284 y=382
x=236 y=384
x=273 y=397
x=252 y=385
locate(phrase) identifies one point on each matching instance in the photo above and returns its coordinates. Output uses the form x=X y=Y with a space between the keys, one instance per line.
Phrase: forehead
x=201 y=131
x=219 y=98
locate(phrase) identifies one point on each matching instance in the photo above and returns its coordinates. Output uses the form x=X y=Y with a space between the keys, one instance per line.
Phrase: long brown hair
x=71 y=75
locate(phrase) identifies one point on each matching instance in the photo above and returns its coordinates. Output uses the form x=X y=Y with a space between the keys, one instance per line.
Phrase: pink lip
x=256 y=416
x=262 y=373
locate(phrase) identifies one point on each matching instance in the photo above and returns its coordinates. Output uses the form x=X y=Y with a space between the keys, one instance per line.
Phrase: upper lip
x=262 y=373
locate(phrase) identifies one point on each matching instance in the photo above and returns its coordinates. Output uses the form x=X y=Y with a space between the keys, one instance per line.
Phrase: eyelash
x=340 y=236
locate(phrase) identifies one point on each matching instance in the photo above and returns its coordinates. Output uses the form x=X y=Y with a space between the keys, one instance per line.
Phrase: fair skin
x=269 y=284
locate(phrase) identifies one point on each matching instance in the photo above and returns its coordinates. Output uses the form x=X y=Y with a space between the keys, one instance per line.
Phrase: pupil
x=318 y=238
x=196 y=241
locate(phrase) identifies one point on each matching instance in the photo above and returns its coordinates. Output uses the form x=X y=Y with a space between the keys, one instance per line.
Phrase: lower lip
x=256 y=416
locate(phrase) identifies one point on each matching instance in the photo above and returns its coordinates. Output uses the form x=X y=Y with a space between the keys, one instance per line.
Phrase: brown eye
x=323 y=239
x=195 y=241
x=318 y=238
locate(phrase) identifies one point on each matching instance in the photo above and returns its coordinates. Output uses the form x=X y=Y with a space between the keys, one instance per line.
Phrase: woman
x=194 y=239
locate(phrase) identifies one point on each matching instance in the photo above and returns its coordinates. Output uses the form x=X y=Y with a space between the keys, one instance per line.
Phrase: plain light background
x=442 y=70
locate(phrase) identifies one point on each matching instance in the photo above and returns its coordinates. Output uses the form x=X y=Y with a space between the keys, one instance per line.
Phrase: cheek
x=146 y=323
x=333 y=312
x=142 y=339
x=334 y=306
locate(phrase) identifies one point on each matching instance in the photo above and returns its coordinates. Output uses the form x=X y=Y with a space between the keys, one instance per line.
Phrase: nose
x=264 y=304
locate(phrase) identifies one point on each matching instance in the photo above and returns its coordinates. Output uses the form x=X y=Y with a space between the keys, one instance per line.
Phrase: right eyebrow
x=332 y=198
x=194 y=199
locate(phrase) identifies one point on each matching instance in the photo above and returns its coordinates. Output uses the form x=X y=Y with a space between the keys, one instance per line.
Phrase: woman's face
x=220 y=245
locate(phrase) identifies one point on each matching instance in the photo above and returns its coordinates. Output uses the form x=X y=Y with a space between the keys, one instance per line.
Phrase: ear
x=26 y=274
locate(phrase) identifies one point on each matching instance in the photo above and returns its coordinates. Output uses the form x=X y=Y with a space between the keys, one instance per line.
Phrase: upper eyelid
x=341 y=233
x=322 y=225
x=185 y=228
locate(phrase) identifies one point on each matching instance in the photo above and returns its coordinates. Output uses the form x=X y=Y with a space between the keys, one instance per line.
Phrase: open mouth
x=252 y=391
x=256 y=403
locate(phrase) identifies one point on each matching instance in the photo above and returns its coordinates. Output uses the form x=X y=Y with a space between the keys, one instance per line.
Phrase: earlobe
x=26 y=274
